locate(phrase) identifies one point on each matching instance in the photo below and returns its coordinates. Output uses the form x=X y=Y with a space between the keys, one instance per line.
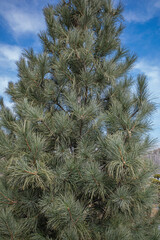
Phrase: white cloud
x=9 y=105
x=9 y=54
x=22 y=17
x=3 y=84
x=144 y=10
x=137 y=17
x=23 y=22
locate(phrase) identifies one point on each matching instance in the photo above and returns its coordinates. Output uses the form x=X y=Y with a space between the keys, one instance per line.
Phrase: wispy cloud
x=21 y=17
x=23 y=22
x=3 y=84
x=144 y=10
x=157 y=4
x=131 y=16
x=9 y=54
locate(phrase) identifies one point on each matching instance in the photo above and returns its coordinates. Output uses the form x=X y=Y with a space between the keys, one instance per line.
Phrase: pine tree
x=72 y=149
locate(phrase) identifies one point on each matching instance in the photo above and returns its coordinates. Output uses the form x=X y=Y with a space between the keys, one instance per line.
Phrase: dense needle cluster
x=72 y=149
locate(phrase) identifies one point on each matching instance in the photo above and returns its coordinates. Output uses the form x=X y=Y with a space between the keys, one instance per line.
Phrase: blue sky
x=21 y=20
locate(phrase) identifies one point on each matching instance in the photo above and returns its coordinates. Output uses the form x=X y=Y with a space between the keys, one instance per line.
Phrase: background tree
x=71 y=151
x=155 y=211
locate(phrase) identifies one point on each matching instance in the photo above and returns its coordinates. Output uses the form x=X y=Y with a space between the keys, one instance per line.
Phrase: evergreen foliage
x=72 y=150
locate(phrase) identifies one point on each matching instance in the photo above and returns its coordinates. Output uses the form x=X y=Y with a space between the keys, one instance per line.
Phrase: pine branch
x=32 y=173
x=86 y=95
x=9 y=230
x=60 y=106
x=37 y=85
x=30 y=151
x=8 y=199
x=70 y=214
x=135 y=112
x=68 y=209
x=80 y=129
x=28 y=145
x=122 y=157
x=41 y=120
x=95 y=181
x=10 y=203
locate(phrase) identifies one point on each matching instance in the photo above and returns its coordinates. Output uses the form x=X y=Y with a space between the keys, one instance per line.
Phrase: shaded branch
x=8 y=199
x=9 y=230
